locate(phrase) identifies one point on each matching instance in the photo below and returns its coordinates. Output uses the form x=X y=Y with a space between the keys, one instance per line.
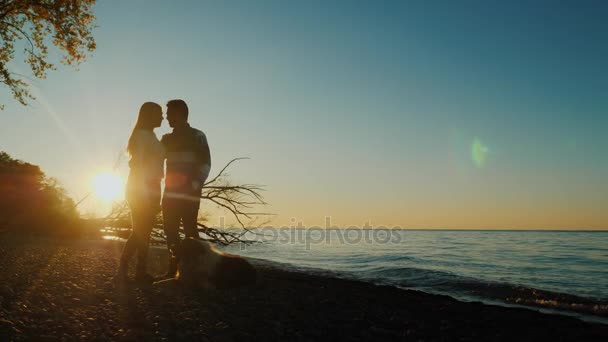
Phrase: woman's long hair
x=145 y=119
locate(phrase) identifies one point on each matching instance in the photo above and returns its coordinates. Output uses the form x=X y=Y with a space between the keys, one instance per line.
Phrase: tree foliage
x=36 y=25
x=32 y=202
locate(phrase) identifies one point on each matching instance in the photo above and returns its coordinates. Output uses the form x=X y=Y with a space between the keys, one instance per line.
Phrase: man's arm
x=204 y=157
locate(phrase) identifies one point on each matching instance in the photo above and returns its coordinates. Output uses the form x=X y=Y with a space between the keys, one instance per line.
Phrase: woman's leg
x=143 y=214
x=127 y=254
x=171 y=222
x=143 y=242
x=130 y=246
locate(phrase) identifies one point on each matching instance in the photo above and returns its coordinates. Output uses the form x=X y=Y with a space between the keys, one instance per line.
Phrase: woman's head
x=150 y=116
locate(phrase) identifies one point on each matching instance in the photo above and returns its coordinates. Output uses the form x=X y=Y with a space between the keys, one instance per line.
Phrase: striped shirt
x=188 y=159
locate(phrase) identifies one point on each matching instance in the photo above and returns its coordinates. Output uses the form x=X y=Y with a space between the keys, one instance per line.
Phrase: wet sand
x=62 y=290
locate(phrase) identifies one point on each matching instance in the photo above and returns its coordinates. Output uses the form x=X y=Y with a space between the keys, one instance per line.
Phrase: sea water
x=566 y=270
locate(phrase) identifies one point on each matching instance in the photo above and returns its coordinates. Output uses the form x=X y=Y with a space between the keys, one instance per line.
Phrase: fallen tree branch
x=239 y=200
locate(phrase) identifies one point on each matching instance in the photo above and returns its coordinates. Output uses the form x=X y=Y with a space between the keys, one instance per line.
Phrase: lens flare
x=479 y=152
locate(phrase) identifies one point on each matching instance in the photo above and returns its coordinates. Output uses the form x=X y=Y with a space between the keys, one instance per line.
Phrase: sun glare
x=108 y=186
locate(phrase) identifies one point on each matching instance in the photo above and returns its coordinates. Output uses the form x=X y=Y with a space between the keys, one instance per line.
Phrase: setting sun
x=108 y=186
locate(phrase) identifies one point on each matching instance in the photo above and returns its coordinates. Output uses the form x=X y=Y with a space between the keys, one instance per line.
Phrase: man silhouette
x=188 y=166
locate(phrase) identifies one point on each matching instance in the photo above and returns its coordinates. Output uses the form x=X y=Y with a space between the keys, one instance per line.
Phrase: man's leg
x=190 y=218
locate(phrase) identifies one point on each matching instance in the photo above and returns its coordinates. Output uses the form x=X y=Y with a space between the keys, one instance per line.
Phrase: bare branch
x=239 y=200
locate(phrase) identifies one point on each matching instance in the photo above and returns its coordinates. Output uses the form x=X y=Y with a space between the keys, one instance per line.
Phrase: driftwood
x=240 y=200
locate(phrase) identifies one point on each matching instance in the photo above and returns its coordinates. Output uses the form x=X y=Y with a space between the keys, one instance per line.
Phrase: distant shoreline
x=444 y=229
x=420 y=229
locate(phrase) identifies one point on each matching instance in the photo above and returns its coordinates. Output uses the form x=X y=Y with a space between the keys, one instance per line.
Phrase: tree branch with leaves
x=38 y=25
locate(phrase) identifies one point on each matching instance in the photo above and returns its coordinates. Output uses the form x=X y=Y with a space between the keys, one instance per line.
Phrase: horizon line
x=435 y=229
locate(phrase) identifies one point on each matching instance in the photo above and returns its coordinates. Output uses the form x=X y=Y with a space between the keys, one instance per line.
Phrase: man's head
x=177 y=113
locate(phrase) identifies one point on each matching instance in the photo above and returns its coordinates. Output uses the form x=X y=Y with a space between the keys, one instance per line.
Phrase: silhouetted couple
x=188 y=164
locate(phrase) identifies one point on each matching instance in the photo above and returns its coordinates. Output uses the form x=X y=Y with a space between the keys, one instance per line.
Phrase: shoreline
x=61 y=290
x=583 y=315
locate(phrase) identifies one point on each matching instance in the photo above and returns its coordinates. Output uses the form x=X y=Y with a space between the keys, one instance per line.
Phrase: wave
x=447 y=283
x=464 y=288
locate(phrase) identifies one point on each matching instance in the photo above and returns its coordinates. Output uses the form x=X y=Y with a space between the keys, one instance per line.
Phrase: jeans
x=180 y=208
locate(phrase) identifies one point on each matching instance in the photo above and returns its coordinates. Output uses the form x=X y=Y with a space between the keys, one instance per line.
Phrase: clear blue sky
x=422 y=114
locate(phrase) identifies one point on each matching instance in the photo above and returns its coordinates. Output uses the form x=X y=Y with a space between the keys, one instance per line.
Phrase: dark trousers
x=180 y=209
x=142 y=222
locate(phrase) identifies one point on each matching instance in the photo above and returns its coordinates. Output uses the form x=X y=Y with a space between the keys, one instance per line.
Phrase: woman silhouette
x=143 y=189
